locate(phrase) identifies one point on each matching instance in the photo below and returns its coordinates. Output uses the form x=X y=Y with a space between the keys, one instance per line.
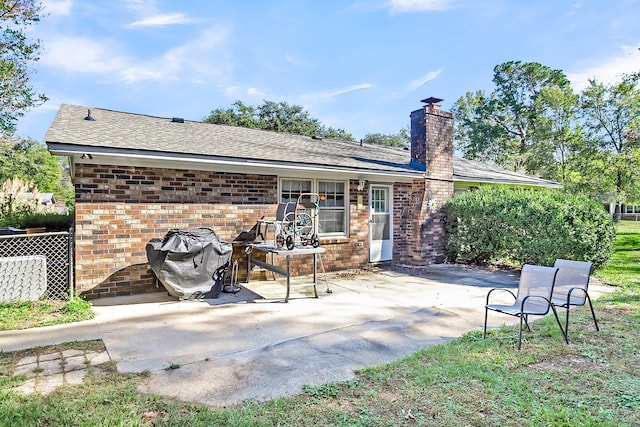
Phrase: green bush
x=13 y=216
x=527 y=227
x=52 y=221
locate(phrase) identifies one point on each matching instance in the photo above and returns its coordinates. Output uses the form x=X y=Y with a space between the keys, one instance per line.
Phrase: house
x=138 y=176
x=623 y=211
x=48 y=201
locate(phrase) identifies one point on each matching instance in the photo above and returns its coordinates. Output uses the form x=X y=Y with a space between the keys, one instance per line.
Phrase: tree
x=612 y=117
x=477 y=135
x=504 y=126
x=31 y=162
x=558 y=133
x=238 y=114
x=282 y=117
x=400 y=139
x=14 y=204
x=17 y=54
x=275 y=116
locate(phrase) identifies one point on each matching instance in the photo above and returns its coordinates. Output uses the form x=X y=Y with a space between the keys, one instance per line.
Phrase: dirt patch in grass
x=574 y=362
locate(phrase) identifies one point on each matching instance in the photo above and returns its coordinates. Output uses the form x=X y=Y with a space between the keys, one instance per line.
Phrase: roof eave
x=547 y=184
x=101 y=155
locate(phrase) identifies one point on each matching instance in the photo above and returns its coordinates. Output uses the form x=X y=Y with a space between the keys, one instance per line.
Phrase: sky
x=357 y=65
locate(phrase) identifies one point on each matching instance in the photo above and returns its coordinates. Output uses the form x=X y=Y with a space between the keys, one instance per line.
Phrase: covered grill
x=190 y=264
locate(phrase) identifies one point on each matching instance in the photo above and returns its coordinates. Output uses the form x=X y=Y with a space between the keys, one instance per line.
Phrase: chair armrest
x=529 y=297
x=577 y=289
x=499 y=289
x=568 y=295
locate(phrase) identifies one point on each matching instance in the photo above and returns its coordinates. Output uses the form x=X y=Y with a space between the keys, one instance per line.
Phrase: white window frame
x=314 y=189
x=631 y=209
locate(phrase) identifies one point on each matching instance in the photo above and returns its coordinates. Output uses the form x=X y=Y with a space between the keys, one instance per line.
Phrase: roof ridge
x=123 y=112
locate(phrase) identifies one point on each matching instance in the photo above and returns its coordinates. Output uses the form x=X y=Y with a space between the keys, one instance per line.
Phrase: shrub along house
x=137 y=176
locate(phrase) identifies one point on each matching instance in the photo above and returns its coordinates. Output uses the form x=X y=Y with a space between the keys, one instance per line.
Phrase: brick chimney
x=432 y=152
x=432 y=140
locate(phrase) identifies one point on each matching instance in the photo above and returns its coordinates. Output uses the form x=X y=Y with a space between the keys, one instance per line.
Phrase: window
x=332 y=207
x=379 y=201
x=332 y=218
x=631 y=209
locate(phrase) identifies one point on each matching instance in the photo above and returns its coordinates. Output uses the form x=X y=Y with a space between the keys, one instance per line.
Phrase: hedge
x=527 y=227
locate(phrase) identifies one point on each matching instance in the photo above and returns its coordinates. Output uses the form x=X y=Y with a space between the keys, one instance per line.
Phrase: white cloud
x=424 y=79
x=336 y=92
x=252 y=91
x=608 y=70
x=81 y=55
x=145 y=6
x=162 y=20
x=191 y=62
x=292 y=60
x=575 y=7
x=241 y=92
x=350 y=89
x=57 y=7
x=232 y=91
x=403 y=6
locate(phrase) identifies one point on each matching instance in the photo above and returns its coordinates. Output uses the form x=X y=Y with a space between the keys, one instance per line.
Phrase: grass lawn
x=23 y=315
x=623 y=268
x=595 y=380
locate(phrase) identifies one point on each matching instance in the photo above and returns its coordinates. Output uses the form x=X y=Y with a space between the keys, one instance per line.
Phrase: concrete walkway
x=252 y=346
x=44 y=372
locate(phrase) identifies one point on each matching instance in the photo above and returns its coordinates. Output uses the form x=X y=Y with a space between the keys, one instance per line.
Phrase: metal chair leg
x=520 y=335
x=593 y=313
x=566 y=323
x=526 y=322
x=486 y=312
x=555 y=314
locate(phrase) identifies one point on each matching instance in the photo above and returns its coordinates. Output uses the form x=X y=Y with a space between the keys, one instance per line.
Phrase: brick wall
x=404 y=226
x=119 y=209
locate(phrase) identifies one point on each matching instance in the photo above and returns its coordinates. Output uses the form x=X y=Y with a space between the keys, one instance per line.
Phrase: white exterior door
x=380 y=223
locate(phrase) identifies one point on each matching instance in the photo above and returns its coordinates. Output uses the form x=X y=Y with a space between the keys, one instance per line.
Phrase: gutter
x=547 y=184
x=98 y=155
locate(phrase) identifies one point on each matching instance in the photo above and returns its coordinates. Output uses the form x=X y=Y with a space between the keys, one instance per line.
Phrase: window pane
x=331 y=221
x=292 y=188
x=379 y=201
x=380 y=227
x=331 y=194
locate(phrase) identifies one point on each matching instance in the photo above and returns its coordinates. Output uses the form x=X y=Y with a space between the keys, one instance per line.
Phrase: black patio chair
x=532 y=298
x=570 y=288
x=278 y=224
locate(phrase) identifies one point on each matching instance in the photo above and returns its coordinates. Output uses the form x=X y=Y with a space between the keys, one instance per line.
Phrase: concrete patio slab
x=250 y=345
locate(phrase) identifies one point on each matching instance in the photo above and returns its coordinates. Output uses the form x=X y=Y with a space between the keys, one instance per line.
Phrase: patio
x=250 y=345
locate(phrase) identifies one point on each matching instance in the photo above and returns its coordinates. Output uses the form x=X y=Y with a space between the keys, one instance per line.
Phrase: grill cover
x=190 y=264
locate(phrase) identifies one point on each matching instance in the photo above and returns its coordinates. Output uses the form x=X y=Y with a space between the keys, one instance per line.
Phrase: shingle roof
x=114 y=130
x=117 y=130
x=469 y=170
